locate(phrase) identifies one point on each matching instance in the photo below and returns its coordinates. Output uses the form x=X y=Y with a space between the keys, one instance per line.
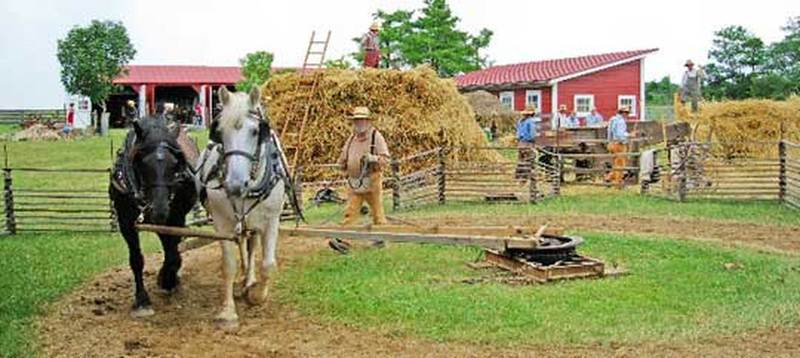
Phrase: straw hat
x=531 y=109
x=131 y=103
x=688 y=63
x=562 y=107
x=361 y=113
x=375 y=26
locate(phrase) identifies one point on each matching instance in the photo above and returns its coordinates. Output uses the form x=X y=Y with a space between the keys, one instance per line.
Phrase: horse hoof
x=227 y=325
x=256 y=295
x=142 y=312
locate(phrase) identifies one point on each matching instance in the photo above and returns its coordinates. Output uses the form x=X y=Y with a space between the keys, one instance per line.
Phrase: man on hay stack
x=363 y=158
x=370 y=43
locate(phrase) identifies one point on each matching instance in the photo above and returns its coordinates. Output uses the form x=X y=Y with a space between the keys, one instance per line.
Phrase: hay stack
x=747 y=120
x=37 y=132
x=487 y=109
x=409 y=107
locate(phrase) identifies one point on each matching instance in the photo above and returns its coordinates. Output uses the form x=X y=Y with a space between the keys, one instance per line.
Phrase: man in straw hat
x=690 y=85
x=617 y=144
x=363 y=158
x=526 y=137
x=370 y=43
x=131 y=113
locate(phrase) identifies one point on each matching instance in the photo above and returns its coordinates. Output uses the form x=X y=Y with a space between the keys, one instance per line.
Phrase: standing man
x=617 y=143
x=363 y=158
x=526 y=137
x=594 y=119
x=691 y=85
x=561 y=119
x=70 y=120
x=370 y=43
x=131 y=113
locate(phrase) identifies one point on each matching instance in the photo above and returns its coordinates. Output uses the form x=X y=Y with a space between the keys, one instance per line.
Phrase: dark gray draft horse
x=152 y=179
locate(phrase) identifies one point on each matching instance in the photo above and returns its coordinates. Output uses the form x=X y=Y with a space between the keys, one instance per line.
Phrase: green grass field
x=676 y=289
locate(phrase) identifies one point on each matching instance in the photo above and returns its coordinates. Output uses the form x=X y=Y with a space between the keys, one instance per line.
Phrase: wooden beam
x=184 y=232
x=381 y=233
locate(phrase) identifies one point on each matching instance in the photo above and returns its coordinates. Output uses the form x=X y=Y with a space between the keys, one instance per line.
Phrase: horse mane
x=236 y=109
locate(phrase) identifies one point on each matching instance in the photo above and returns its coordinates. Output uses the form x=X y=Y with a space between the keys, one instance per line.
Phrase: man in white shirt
x=691 y=84
x=594 y=119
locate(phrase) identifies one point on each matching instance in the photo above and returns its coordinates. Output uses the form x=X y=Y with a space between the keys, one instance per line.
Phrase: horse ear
x=137 y=127
x=255 y=96
x=224 y=95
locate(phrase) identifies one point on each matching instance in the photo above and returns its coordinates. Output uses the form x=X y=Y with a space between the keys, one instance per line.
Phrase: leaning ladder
x=292 y=136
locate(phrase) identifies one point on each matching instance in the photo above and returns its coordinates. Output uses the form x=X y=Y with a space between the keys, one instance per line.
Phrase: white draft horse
x=243 y=189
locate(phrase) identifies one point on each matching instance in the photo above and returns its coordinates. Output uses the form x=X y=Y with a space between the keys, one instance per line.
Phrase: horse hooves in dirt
x=142 y=312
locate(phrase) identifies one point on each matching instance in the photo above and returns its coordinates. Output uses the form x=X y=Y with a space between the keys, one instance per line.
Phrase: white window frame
x=538 y=103
x=632 y=98
x=575 y=104
x=509 y=94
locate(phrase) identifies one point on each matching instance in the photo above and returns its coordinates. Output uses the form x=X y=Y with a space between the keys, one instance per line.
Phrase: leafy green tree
x=92 y=56
x=340 y=63
x=784 y=59
x=256 y=69
x=737 y=58
x=660 y=92
x=429 y=36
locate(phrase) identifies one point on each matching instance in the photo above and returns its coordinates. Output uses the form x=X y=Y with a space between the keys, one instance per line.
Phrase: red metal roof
x=543 y=71
x=179 y=75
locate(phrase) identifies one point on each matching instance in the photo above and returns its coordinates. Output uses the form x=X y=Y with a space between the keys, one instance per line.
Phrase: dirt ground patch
x=93 y=321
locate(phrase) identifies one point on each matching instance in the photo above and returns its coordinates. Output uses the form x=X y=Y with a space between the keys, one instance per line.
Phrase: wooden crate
x=580 y=267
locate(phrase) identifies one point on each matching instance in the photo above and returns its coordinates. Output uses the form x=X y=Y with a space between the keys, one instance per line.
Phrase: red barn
x=604 y=81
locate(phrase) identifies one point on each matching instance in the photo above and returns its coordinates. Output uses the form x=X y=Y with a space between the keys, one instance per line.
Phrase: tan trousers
x=373 y=198
x=619 y=161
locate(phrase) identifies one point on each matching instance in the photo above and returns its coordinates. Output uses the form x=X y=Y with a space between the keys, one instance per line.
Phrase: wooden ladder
x=314 y=60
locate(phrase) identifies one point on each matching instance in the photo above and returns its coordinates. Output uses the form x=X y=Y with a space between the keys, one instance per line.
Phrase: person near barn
x=370 y=44
x=594 y=119
x=70 y=119
x=691 y=85
x=563 y=119
x=131 y=113
x=363 y=158
x=526 y=138
x=617 y=145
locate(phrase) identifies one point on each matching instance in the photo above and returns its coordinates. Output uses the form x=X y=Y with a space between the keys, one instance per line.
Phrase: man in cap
x=690 y=85
x=526 y=137
x=370 y=43
x=363 y=158
x=617 y=143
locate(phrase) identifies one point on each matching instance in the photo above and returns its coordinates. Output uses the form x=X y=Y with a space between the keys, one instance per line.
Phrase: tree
x=737 y=59
x=784 y=59
x=660 y=93
x=430 y=36
x=91 y=57
x=256 y=69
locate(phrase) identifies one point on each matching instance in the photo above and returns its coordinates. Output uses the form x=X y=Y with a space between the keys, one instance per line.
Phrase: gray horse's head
x=243 y=130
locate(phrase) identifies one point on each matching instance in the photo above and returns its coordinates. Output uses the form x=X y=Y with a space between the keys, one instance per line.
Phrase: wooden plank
x=442 y=239
x=490 y=230
x=184 y=232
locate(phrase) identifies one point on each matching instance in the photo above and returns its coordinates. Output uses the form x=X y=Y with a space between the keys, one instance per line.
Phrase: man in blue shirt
x=526 y=137
x=594 y=119
x=617 y=140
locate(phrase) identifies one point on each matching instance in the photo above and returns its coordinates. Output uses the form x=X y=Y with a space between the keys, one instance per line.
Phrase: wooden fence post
x=395 y=165
x=557 y=177
x=11 y=217
x=782 y=172
x=683 y=172
x=441 y=172
x=533 y=192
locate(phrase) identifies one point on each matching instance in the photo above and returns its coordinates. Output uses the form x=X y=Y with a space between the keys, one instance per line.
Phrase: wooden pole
x=11 y=218
x=185 y=232
x=782 y=171
x=395 y=165
x=533 y=192
x=442 y=179
x=447 y=239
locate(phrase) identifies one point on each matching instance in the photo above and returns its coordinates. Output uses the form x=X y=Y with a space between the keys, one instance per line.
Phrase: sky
x=220 y=32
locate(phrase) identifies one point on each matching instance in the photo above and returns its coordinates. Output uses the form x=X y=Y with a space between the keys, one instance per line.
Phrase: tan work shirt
x=358 y=147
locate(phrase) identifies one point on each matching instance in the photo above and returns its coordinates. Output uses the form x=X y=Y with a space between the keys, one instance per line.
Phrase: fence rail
x=16 y=116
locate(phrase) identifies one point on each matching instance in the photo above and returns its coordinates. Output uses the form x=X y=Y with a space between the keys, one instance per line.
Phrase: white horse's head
x=243 y=130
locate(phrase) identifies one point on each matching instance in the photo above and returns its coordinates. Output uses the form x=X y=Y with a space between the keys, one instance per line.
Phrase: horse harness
x=128 y=181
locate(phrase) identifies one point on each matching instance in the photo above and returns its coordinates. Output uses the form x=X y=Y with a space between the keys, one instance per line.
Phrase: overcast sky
x=220 y=32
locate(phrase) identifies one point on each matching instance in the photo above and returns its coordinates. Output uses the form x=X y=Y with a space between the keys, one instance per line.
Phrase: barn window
x=629 y=101
x=507 y=99
x=583 y=104
x=533 y=98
